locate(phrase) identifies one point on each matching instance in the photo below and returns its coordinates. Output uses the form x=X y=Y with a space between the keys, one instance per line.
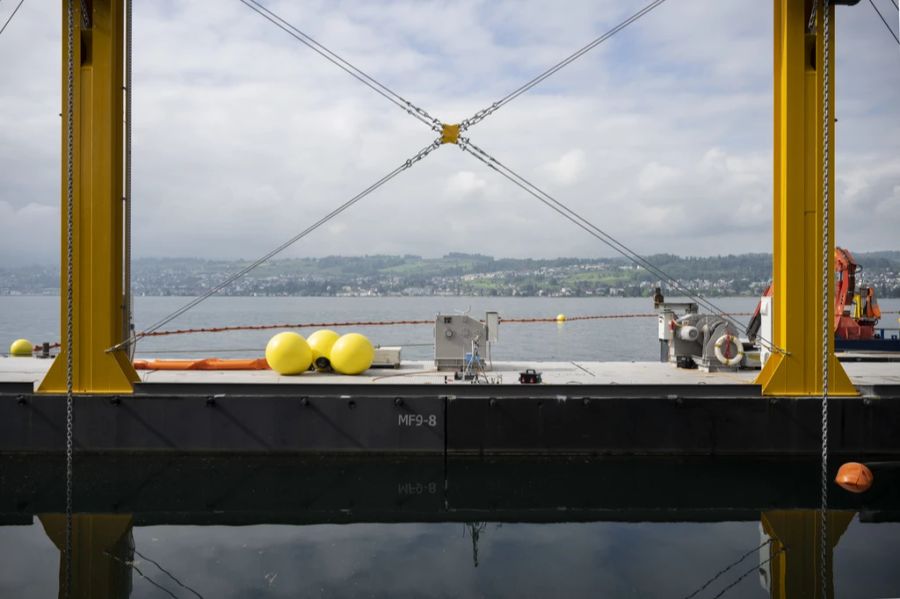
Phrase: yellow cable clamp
x=449 y=134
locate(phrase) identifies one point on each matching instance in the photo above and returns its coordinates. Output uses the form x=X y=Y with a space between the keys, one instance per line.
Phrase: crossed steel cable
x=449 y=134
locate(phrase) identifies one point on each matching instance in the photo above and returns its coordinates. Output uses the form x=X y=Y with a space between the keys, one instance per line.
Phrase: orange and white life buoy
x=725 y=341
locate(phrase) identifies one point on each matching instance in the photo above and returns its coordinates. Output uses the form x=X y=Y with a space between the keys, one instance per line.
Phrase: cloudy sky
x=243 y=137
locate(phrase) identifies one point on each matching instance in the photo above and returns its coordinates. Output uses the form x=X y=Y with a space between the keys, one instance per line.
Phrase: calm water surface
x=235 y=529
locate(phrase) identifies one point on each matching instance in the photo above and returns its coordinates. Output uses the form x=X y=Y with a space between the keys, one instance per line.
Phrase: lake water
x=240 y=528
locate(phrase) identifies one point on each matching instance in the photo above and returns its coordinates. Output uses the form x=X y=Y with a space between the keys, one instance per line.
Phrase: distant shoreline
x=454 y=275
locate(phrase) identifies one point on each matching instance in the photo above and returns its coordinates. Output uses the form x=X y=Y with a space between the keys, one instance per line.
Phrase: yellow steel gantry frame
x=97 y=273
x=798 y=221
x=798 y=215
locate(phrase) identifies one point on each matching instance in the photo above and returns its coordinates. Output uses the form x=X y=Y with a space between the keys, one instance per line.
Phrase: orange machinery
x=855 y=313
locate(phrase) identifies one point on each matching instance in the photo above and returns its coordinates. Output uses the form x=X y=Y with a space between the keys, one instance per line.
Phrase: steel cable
x=420 y=155
x=725 y=570
x=15 y=10
x=486 y=112
x=557 y=206
x=169 y=574
x=749 y=572
x=383 y=90
x=130 y=564
x=883 y=20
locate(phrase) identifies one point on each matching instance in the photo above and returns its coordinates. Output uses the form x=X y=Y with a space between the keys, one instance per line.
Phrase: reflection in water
x=794 y=552
x=384 y=560
x=475 y=529
x=285 y=527
x=102 y=548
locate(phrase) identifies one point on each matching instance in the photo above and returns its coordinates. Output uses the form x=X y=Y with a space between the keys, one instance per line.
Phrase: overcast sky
x=243 y=137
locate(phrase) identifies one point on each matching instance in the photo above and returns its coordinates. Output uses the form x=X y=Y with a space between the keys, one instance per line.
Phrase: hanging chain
x=827 y=287
x=70 y=168
x=128 y=302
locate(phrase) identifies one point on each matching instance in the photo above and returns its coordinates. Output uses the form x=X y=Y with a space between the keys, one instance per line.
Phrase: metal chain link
x=70 y=168
x=128 y=307
x=85 y=15
x=827 y=290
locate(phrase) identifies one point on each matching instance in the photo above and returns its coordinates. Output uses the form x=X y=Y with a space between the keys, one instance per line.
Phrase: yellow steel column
x=798 y=208
x=97 y=212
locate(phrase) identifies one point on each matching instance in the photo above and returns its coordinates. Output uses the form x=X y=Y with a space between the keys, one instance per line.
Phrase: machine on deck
x=689 y=339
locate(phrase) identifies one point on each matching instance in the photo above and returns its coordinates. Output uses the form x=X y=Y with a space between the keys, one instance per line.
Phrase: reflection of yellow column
x=795 y=551
x=101 y=544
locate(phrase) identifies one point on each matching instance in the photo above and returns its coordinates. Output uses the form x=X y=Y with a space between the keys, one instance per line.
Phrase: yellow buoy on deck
x=288 y=353
x=20 y=348
x=351 y=354
x=560 y=318
x=321 y=343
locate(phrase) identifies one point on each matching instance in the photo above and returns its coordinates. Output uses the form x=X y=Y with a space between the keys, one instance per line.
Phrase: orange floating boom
x=203 y=364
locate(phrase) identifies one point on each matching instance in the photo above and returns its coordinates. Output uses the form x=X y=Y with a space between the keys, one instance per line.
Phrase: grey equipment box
x=458 y=334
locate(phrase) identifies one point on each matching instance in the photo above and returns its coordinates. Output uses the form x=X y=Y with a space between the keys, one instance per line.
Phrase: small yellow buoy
x=320 y=343
x=288 y=353
x=854 y=477
x=351 y=354
x=560 y=318
x=21 y=347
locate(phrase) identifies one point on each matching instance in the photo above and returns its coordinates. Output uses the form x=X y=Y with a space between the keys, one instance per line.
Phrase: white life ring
x=724 y=341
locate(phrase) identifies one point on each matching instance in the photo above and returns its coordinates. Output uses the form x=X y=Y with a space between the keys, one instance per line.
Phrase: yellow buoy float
x=351 y=354
x=20 y=348
x=288 y=353
x=321 y=343
x=560 y=318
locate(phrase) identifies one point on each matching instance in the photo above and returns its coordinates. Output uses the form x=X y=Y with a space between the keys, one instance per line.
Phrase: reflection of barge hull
x=266 y=489
x=586 y=408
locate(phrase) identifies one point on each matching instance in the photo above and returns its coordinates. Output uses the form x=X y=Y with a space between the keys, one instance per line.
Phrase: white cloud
x=656 y=175
x=568 y=168
x=465 y=183
x=662 y=136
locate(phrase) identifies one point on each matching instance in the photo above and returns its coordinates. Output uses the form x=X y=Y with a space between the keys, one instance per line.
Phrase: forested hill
x=454 y=274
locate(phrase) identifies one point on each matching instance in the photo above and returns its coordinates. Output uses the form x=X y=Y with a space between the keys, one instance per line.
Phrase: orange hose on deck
x=203 y=364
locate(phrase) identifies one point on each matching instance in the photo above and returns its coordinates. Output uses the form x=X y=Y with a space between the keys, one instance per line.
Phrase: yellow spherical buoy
x=21 y=347
x=352 y=354
x=320 y=343
x=288 y=353
x=560 y=318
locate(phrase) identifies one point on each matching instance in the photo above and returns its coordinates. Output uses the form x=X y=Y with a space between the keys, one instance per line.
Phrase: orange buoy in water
x=854 y=477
